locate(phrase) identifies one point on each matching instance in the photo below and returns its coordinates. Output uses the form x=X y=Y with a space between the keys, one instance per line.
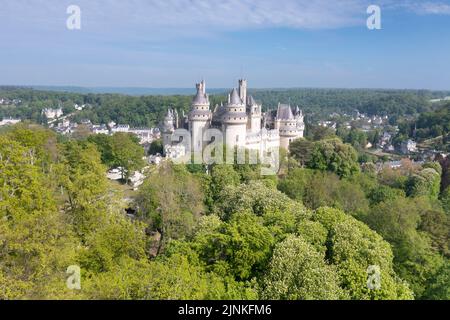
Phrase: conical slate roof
x=234 y=97
x=251 y=101
x=200 y=98
x=284 y=112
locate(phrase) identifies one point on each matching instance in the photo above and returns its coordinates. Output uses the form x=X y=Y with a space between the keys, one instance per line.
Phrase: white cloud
x=217 y=14
x=431 y=8
x=169 y=18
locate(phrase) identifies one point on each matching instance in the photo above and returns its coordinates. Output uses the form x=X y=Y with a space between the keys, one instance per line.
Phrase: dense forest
x=312 y=232
x=433 y=124
x=141 y=111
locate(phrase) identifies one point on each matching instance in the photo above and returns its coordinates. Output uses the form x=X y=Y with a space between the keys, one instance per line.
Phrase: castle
x=241 y=121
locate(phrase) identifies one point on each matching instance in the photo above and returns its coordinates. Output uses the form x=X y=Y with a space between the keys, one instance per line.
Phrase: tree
x=36 y=244
x=82 y=177
x=167 y=278
x=424 y=183
x=301 y=149
x=438 y=288
x=170 y=201
x=295 y=183
x=127 y=153
x=156 y=147
x=335 y=156
x=222 y=175
x=257 y=198
x=357 y=138
x=298 y=272
x=445 y=198
x=398 y=221
x=436 y=223
x=240 y=247
x=352 y=247
x=104 y=146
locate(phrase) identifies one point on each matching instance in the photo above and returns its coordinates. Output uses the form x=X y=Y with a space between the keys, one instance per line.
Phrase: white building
x=100 y=129
x=145 y=135
x=120 y=128
x=9 y=121
x=240 y=120
x=52 y=113
x=79 y=107
x=408 y=146
x=114 y=174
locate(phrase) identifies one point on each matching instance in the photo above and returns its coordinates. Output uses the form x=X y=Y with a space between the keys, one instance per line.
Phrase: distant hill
x=133 y=91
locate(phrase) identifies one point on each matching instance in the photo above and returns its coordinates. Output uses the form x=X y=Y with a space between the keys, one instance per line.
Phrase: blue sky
x=272 y=43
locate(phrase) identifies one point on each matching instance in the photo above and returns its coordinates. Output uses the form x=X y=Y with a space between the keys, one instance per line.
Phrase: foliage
x=298 y=272
x=335 y=156
x=221 y=232
x=170 y=201
x=156 y=147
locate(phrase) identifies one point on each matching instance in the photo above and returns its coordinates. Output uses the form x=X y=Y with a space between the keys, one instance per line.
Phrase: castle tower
x=299 y=117
x=199 y=117
x=243 y=90
x=234 y=121
x=168 y=128
x=254 y=115
x=289 y=125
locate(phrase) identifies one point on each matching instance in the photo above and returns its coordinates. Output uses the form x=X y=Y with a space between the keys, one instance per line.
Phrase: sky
x=272 y=43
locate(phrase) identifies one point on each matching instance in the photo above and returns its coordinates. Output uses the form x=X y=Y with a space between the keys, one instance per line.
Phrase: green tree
x=36 y=246
x=221 y=176
x=398 y=222
x=301 y=149
x=240 y=247
x=426 y=182
x=445 y=199
x=352 y=247
x=82 y=178
x=335 y=156
x=104 y=146
x=127 y=153
x=156 y=147
x=170 y=201
x=298 y=272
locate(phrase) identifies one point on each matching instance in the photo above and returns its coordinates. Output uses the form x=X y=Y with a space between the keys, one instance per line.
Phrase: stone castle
x=241 y=121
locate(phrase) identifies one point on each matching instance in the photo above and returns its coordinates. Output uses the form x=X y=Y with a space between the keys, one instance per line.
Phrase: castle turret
x=288 y=124
x=299 y=117
x=254 y=115
x=168 y=128
x=199 y=117
x=234 y=120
